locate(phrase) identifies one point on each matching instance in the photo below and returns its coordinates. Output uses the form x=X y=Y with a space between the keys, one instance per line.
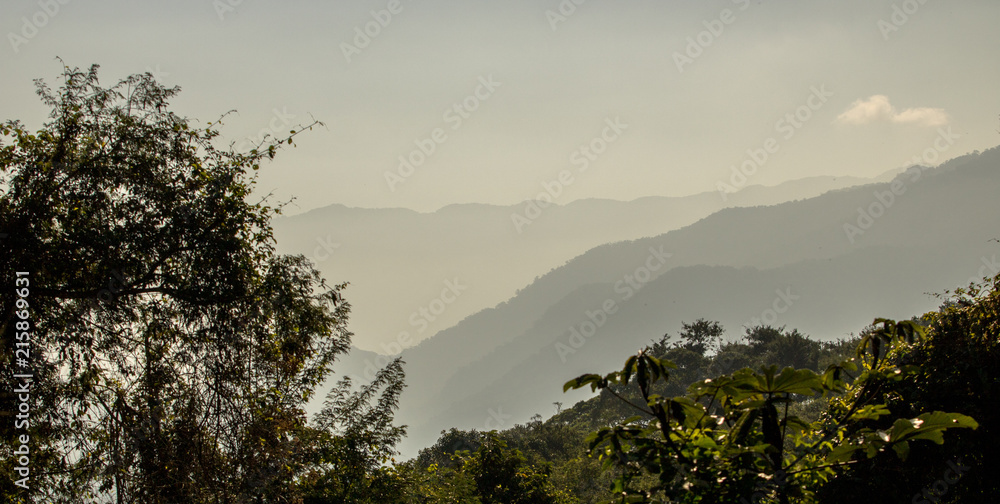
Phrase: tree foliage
x=173 y=353
x=736 y=436
x=492 y=474
x=352 y=441
x=956 y=367
x=173 y=349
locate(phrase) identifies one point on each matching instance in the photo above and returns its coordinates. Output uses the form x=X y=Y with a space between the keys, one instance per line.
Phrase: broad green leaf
x=628 y=369
x=581 y=381
x=902 y=449
x=870 y=412
x=797 y=381
x=741 y=428
x=842 y=453
x=929 y=426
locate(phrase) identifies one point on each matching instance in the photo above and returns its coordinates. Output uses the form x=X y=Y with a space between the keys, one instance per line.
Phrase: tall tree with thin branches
x=173 y=350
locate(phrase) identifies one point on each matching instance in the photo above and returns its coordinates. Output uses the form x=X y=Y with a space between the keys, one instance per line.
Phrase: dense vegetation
x=173 y=352
x=599 y=448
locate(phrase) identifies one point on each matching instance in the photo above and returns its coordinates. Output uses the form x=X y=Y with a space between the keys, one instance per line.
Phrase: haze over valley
x=518 y=252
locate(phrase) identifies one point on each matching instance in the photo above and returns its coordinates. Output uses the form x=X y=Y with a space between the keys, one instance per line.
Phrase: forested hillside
x=158 y=349
x=733 y=266
x=840 y=393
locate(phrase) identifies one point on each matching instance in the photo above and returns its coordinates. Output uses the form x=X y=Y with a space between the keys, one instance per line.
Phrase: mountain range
x=827 y=266
x=827 y=263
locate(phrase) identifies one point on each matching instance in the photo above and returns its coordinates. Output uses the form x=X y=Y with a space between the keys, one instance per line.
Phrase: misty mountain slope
x=475 y=377
x=824 y=298
x=764 y=237
x=750 y=293
x=398 y=261
x=761 y=236
x=934 y=199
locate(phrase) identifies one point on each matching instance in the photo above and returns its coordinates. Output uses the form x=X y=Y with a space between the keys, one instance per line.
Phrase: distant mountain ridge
x=934 y=234
x=398 y=260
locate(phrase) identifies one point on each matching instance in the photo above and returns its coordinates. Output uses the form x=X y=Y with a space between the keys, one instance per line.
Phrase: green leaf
x=929 y=426
x=798 y=381
x=707 y=443
x=902 y=449
x=870 y=412
x=795 y=423
x=628 y=369
x=742 y=427
x=581 y=381
x=685 y=410
x=842 y=453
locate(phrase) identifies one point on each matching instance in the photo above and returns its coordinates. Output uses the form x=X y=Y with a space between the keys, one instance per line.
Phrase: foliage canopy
x=173 y=349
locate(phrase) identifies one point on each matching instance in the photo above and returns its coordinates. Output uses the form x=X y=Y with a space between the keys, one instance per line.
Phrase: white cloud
x=923 y=116
x=866 y=111
x=878 y=108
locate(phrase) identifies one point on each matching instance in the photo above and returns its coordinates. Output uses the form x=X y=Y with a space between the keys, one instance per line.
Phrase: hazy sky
x=503 y=96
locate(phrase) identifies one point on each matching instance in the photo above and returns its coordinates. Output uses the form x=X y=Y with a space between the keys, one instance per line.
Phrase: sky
x=428 y=103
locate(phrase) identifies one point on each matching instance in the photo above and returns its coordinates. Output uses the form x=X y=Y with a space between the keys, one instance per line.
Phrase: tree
x=502 y=476
x=493 y=473
x=957 y=368
x=735 y=436
x=351 y=442
x=701 y=336
x=771 y=345
x=451 y=442
x=173 y=350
